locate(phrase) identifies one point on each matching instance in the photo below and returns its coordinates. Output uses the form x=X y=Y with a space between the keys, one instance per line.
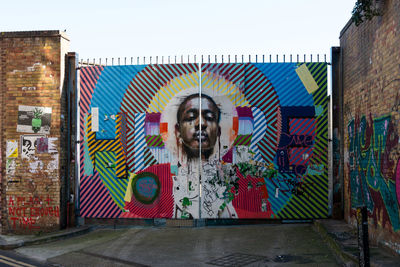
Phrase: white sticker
x=95 y=119
x=276 y=193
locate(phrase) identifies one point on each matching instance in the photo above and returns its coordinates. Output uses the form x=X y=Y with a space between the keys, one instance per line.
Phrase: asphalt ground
x=258 y=245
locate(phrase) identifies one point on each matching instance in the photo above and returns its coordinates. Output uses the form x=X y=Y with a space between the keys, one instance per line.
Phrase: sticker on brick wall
x=29 y=145
x=34 y=119
x=52 y=145
x=11 y=165
x=12 y=149
x=42 y=145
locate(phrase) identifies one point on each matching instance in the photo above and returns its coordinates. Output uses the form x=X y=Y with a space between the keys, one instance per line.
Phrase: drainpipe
x=342 y=129
x=67 y=175
x=77 y=141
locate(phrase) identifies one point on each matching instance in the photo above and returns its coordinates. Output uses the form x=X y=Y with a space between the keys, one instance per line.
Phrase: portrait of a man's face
x=198 y=127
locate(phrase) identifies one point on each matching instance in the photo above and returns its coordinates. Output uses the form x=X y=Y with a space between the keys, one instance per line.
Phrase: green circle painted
x=146 y=187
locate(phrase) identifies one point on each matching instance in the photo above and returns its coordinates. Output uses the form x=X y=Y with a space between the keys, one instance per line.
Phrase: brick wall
x=371 y=112
x=32 y=70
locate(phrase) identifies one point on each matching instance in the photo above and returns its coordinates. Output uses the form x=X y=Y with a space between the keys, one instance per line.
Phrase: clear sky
x=132 y=28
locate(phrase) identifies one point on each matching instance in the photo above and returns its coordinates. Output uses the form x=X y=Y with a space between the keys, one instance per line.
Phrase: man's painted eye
x=189 y=116
x=209 y=116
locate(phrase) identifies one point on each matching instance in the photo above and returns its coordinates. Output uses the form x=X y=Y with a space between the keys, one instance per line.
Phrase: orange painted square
x=235 y=126
x=163 y=127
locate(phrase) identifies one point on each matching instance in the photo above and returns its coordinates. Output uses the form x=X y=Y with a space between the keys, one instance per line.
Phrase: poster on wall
x=11 y=165
x=12 y=149
x=255 y=134
x=52 y=145
x=29 y=144
x=34 y=119
x=42 y=145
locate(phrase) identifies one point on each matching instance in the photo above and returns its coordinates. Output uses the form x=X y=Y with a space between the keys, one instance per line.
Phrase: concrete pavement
x=258 y=245
x=324 y=242
x=342 y=239
x=15 y=241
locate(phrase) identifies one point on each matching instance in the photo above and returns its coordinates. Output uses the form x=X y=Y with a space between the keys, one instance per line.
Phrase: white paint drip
x=53 y=164
x=35 y=166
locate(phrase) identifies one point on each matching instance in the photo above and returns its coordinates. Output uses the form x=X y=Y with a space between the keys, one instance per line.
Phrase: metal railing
x=203 y=59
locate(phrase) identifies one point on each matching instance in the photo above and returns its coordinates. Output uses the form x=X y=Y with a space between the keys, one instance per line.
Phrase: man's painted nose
x=202 y=121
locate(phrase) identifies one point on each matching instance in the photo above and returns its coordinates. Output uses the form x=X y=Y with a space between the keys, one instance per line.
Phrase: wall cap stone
x=27 y=34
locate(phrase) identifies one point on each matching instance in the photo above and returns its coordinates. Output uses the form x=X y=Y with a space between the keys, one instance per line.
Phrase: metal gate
x=234 y=140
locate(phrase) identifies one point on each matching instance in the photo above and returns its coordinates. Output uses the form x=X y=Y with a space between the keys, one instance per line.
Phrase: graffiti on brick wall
x=211 y=141
x=25 y=212
x=396 y=104
x=337 y=171
x=372 y=170
x=398 y=181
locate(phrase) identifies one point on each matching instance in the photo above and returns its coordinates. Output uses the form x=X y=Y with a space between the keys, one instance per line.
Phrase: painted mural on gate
x=204 y=141
x=374 y=172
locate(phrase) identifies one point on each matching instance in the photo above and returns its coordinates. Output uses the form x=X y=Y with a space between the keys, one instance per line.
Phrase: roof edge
x=28 y=34
x=345 y=28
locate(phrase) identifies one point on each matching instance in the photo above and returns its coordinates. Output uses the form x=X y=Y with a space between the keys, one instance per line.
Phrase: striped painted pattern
x=261 y=94
x=110 y=89
x=320 y=153
x=88 y=80
x=139 y=141
x=130 y=91
x=303 y=126
x=162 y=155
x=245 y=85
x=107 y=145
x=163 y=207
x=87 y=165
x=287 y=83
x=242 y=140
x=260 y=126
x=283 y=196
x=145 y=87
x=154 y=141
x=300 y=155
x=248 y=201
x=122 y=129
x=95 y=199
x=149 y=158
x=162 y=97
x=315 y=204
x=130 y=144
x=235 y=73
x=121 y=132
x=211 y=81
x=116 y=187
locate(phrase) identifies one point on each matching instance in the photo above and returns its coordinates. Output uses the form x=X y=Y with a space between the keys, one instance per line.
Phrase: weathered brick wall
x=371 y=107
x=2 y=189
x=32 y=66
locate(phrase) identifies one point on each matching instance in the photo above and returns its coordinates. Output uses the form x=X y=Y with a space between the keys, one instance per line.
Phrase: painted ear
x=177 y=132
